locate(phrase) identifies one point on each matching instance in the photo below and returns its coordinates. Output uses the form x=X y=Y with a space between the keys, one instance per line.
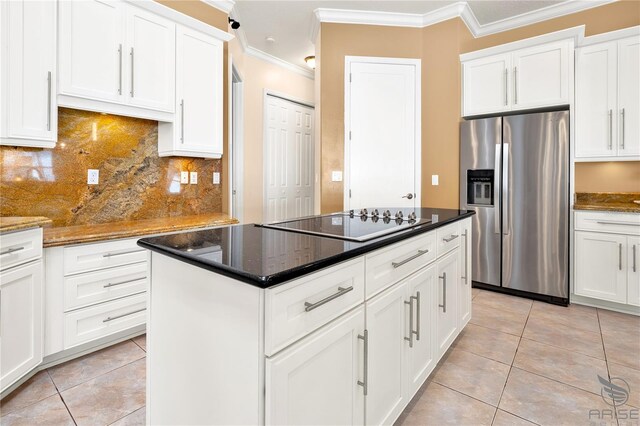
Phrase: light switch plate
x=336 y=176
x=216 y=178
x=194 y=178
x=184 y=177
x=434 y=180
x=93 y=176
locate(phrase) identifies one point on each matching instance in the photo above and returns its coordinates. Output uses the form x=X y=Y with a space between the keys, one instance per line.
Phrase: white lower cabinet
x=464 y=290
x=447 y=297
x=316 y=381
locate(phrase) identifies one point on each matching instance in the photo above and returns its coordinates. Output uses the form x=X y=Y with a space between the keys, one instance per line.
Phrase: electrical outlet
x=435 y=180
x=216 y=178
x=93 y=177
x=184 y=177
x=336 y=176
x=194 y=178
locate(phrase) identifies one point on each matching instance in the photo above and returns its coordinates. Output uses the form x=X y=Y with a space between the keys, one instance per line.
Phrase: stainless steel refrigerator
x=514 y=172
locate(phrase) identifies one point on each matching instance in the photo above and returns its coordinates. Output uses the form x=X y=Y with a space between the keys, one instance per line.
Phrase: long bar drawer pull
x=123 y=282
x=451 y=238
x=341 y=290
x=444 y=292
x=634 y=258
x=602 y=222
x=122 y=253
x=620 y=256
x=410 y=338
x=123 y=315
x=11 y=250
x=409 y=259
x=417 y=299
x=365 y=380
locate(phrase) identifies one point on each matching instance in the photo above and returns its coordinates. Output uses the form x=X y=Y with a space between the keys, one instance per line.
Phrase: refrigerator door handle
x=498 y=207
x=504 y=204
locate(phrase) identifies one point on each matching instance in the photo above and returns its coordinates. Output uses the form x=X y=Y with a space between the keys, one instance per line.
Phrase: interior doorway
x=236 y=142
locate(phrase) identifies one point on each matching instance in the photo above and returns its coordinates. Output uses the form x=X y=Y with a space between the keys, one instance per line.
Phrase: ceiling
x=289 y=22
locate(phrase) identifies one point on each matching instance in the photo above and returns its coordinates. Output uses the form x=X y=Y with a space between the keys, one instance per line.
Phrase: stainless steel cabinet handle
x=132 y=73
x=417 y=299
x=620 y=256
x=466 y=272
x=409 y=196
x=515 y=85
x=634 y=258
x=409 y=259
x=311 y=306
x=444 y=292
x=49 y=101
x=123 y=315
x=608 y=222
x=610 y=129
x=506 y=78
x=121 y=253
x=365 y=380
x=451 y=238
x=123 y=282
x=11 y=250
x=410 y=338
x=120 y=69
x=622 y=125
x=498 y=209
x=182 y=121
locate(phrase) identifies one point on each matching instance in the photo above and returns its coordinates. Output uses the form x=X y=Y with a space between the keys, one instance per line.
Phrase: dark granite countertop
x=266 y=257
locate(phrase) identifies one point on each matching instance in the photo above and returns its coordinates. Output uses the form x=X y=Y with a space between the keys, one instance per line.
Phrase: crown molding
x=225 y=6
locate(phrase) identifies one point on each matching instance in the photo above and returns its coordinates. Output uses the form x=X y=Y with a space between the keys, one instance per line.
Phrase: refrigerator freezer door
x=479 y=142
x=535 y=251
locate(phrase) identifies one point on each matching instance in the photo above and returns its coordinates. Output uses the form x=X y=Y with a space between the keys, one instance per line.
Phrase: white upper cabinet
x=485 y=84
x=608 y=98
x=29 y=113
x=115 y=53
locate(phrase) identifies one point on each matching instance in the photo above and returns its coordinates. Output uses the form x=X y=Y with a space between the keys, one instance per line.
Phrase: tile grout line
x=61 y=398
x=606 y=361
x=137 y=344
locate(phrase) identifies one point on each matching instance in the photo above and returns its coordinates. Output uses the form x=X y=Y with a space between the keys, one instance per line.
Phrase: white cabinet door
x=485 y=85
x=541 y=75
x=447 y=300
x=151 y=60
x=596 y=85
x=91 y=49
x=30 y=113
x=633 y=271
x=629 y=96
x=386 y=325
x=600 y=262
x=315 y=381
x=20 y=321
x=464 y=295
x=421 y=357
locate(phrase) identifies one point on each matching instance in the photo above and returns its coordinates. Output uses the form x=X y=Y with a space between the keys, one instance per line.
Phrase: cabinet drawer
x=20 y=247
x=448 y=238
x=391 y=264
x=102 y=286
x=617 y=223
x=102 y=320
x=295 y=309
x=90 y=257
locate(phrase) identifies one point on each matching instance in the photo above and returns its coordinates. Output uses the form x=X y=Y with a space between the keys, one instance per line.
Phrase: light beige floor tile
x=507 y=419
x=627 y=416
x=559 y=364
x=578 y=316
x=438 y=405
x=488 y=343
x=141 y=341
x=50 y=411
x=619 y=322
x=109 y=397
x=501 y=320
x=137 y=418
x=503 y=302
x=33 y=390
x=632 y=377
x=622 y=348
x=80 y=370
x=547 y=402
x=475 y=292
x=473 y=375
x=564 y=336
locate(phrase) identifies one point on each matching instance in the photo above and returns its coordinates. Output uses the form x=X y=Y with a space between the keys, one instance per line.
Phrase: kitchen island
x=253 y=325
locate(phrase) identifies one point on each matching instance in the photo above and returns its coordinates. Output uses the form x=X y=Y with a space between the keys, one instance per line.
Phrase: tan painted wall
x=438 y=46
x=258 y=75
x=621 y=176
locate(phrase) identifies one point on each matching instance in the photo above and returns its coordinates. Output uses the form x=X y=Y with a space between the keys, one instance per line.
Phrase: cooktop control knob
x=351 y=213
x=375 y=213
x=364 y=212
x=412 y=216
x=386 y=213
x=399 y=215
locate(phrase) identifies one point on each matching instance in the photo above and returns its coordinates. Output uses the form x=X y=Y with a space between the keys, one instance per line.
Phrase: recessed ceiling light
x=311 y=61
x=270 y=39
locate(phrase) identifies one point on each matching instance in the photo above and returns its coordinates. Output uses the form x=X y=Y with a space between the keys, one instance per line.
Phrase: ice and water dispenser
x=480 y=186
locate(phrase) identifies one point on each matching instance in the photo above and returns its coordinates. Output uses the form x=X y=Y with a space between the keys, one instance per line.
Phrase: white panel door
x=541 y=76
x=485 y=85
x=447 y=300
x=629 y=96
x=151 y=60
x=596 y=85
x=289 y=160
x=315 y=381
x=21 y=323
x=383 y=135
x=199 y=92
x=32 y=107
x=600 y=262
x=421 y=357
x=633 y=271
x=386 y=317
x=91 y=49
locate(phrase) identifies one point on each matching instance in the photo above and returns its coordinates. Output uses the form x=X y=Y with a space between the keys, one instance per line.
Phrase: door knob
x=409 y=196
